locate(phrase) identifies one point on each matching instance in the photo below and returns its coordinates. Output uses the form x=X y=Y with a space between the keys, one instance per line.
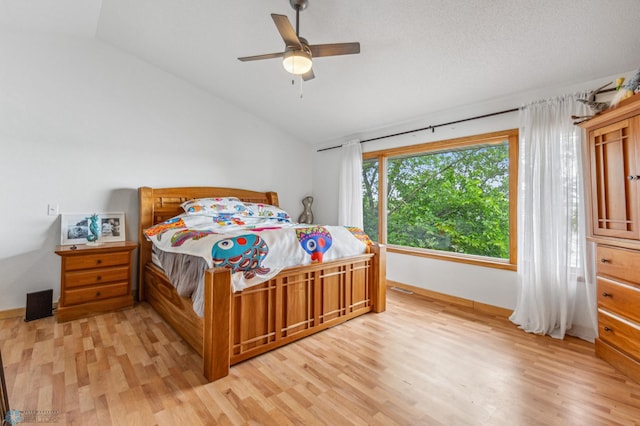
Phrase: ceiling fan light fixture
x=297 y=62
x=297 y=51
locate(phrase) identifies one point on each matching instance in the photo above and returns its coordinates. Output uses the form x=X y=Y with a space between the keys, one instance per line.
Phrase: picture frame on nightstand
x=112 y=227
x=74 y=227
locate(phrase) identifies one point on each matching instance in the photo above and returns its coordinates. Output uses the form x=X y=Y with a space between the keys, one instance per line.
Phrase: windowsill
x=488 y=262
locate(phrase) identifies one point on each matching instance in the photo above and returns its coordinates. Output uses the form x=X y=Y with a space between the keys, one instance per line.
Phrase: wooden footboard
x=294 y=304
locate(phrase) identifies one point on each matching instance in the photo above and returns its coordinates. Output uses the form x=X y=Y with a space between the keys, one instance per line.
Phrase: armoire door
x=614 y=163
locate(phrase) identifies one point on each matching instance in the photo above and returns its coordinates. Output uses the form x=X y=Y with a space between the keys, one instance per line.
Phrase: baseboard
x=454 y=300
x=19 y=312
x=12 y=313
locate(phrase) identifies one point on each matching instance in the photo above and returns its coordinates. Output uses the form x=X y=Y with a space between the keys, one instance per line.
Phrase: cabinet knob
x=633 y=177
x=98 y=278
x=605 y=294
x=99 y=261
x=98 y=294
x=605 y=260
x=608 y=329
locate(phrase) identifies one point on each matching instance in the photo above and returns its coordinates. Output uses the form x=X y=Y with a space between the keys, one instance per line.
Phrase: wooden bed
x=294 y=304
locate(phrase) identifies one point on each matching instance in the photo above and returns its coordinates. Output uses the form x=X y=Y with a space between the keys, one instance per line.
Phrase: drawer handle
x=605 y=260
x=605 y=294
x=98 y=278
x=98 y=294
x=632 y=177
x=99 y=261
x=608 y=329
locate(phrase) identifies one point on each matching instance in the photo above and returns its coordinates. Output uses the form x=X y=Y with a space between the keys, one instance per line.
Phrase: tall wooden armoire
x=614 y=155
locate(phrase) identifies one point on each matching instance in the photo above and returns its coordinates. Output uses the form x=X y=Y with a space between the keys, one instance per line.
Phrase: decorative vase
x=94 y=230
x=307 y=214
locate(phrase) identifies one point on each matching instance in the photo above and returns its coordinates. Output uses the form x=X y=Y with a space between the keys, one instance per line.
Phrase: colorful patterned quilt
x=255 y=241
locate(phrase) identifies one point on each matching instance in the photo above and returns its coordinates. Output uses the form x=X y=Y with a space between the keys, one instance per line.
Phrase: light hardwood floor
x=422 y=362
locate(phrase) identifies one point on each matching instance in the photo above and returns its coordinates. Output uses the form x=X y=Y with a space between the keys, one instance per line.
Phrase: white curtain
x=556 y=294
x=350 y=188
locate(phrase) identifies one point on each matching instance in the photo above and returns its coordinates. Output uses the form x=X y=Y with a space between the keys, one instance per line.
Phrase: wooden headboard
x=159 y=204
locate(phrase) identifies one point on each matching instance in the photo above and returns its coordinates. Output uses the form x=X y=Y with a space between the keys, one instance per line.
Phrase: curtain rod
x=432 y=128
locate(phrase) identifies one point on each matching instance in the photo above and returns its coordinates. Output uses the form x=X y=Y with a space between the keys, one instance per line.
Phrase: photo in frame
x=111 y=227
x=74 y=227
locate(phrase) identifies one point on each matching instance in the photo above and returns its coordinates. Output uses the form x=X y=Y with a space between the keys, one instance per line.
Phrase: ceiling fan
x=298 y=53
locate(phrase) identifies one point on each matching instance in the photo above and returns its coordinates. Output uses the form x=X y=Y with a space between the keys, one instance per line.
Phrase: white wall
x=83 y=125
x=483 y=284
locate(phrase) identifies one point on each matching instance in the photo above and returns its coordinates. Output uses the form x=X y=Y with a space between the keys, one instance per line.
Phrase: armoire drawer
x=619 y=298
x=618 y=263
x=619 y=332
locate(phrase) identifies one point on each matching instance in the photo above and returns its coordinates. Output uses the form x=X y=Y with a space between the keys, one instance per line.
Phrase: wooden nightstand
x=95 y=279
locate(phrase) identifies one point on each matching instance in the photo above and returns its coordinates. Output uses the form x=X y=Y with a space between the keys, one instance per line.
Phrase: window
x=452 y=199
x=370 y=197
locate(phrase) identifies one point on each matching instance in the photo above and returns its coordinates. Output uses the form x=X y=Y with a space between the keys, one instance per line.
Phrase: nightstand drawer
x=96 y=276
x=619 y=298
x=618 y=332
x=619 y=263
x=101 y=260
x=84 y=295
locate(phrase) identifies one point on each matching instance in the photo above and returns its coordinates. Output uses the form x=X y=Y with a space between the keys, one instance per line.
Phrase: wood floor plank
x=422 y=362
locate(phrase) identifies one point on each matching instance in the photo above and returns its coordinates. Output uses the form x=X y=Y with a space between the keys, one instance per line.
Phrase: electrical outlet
x=52 y=209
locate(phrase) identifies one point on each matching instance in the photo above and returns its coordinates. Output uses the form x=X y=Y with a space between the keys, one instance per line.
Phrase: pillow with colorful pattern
x=220 y=205
x=268 y=211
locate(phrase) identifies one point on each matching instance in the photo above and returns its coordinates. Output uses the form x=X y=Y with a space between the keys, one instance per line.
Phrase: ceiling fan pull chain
x=301 y=87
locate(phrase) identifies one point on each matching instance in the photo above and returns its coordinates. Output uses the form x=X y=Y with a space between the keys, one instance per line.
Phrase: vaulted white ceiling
x=417 y=56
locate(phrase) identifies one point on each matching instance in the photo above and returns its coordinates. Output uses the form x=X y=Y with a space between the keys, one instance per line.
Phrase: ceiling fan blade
x=334 y=49
x=286 y=31
x=309 y=75
x=258 y=57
